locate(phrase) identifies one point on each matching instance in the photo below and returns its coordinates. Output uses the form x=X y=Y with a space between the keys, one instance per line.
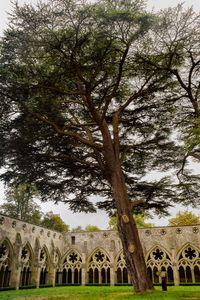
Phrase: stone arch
x=6 y=262
x=188 y=259
x=121 y=272
x=26 y=262
x=98 y=267
x=71 y=265
x=159 y=259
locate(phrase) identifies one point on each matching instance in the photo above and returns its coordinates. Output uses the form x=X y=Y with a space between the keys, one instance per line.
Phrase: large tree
x=79 y=117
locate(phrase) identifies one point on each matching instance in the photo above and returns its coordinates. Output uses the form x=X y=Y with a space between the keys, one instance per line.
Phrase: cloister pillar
x=51 y=275
x=84 y=278
x=112 y=275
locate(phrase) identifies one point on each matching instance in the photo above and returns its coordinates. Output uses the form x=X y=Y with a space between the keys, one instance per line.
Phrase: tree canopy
x=184 y=218
x=54 y=222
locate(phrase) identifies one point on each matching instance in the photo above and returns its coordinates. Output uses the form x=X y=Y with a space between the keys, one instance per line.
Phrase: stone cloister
x=34 y=256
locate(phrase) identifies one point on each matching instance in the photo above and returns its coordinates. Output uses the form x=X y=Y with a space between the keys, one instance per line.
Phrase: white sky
x=100 y=219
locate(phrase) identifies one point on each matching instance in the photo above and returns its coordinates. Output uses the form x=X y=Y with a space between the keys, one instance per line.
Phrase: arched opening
x=197 y=274
x=4 y=276
x=5 y=257
x=25 y=278
x=149 y=271
x=182 y=274
x=155 y=275
x=77 y=276
x=69 y=276
x=72 y=268
x=170 y=275
x=96 y=275
x=119 y=276
x=64 y=276
x=90 y=276
x=43 y=276
x=99 y=268
x=188 y=274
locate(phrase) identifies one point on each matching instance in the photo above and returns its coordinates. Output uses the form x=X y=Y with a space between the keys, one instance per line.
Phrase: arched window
x=44 y=262
x=26 y=266
x=5 y=262
x=189 y=264
x=72 y=268
x=197 y=273
x=99 y=268
x=158 y=260
x=121 y=270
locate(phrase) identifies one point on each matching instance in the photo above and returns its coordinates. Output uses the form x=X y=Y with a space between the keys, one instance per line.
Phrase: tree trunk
x=128 y=232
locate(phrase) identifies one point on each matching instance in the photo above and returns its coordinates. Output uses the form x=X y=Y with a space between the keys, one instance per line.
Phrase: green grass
x=101 y=293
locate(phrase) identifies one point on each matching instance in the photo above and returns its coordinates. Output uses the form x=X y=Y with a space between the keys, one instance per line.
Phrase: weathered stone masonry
x=34 y=256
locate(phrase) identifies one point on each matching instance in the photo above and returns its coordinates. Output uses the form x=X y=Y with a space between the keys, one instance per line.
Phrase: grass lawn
x=101 y=293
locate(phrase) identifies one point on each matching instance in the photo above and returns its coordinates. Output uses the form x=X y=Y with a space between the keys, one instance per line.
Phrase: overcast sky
x=99 y=219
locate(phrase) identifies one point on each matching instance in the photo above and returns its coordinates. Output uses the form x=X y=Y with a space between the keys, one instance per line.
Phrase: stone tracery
x=99 y=268
x=28 y=257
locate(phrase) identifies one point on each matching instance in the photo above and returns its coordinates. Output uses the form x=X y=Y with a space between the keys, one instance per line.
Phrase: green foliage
x=139 y=220
x=184 y=218
x=92 y=228
x=54 y=222
x=19 y=204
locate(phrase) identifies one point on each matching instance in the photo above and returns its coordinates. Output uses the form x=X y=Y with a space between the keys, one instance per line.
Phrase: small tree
x=92 y=228
x=54 y=222
x=184 y=218
x=19 y=204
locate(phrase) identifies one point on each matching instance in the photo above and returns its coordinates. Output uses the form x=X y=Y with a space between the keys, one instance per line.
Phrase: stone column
x=15 y=276
x=112 y=275
x=175 y=268
x=193 y=276
x=84 y=278
x=51 y=276
x=36 y=275
x=176 y=275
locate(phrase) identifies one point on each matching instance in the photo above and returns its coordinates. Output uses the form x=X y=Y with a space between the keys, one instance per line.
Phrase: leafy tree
x=92 y=228
x=19 y=204
x=81 y=117
x=54 y=222
x=139 y=220
x=184 y=218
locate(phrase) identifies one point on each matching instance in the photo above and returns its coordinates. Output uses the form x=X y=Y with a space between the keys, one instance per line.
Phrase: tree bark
x=128 y=232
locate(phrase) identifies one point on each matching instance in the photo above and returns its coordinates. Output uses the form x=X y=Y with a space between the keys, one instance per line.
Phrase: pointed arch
x=120 y=268
x=100 y=249
x=6 y=261
x=71 y=267
x=26 y=261
x=98 y=266
x=158 y=254
x=159 y=259
x=185 y=247
x=188 y=258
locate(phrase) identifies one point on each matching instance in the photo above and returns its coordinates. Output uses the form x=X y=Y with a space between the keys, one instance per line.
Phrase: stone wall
x=33 y=256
